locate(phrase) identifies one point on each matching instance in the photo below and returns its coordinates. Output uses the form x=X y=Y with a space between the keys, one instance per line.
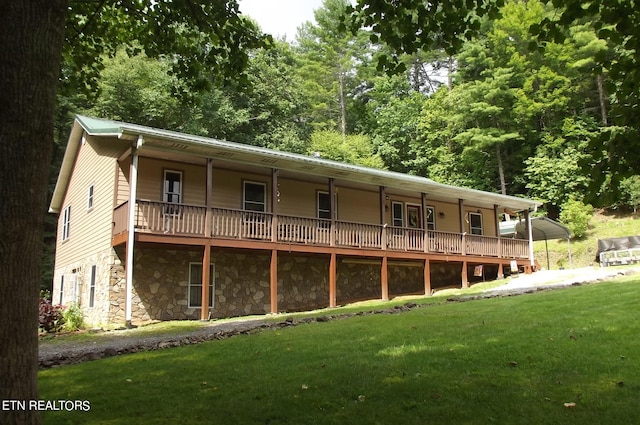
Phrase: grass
x=502 y=360
x=583 y=251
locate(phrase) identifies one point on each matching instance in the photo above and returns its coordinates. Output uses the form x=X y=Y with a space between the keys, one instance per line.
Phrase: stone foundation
x=241 y=282
x=77 y=285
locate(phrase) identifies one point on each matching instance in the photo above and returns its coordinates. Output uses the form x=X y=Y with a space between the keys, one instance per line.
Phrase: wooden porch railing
x=191 y=220
x=358 y=235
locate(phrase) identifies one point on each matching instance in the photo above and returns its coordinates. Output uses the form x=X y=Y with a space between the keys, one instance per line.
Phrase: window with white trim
x=90 y=193
x=66 y=222
x=254 y=196
x=397 y=214
x=61 y=296
x=323 y=202
x=475 y=223
x=430 y=218
x=92 y=285
x=172 y=191
x=195 y=285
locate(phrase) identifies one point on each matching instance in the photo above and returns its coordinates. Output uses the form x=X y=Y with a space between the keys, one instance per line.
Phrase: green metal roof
x=252 y=155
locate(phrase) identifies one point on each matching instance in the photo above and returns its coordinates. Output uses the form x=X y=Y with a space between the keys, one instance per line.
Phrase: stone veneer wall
x=303 y=282
x=241 y=285
x=77 y=285
x=405 y=279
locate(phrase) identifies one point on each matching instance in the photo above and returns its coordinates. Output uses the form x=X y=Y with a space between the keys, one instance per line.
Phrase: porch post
x=530 y=234
x=427 y=277
x=332 y=211
x=275 y=192
x=384 y=278
x=208 y=199
x=497 y=224
x=133 y=187
x=273 y=281
x=461 y=214
x=332 y=280
x=383 y=237
x=206 y=278
x=462 y=228
x=465 y=279
x=425 y=228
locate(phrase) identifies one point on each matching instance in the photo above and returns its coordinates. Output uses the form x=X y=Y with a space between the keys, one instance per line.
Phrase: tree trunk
x=31 y=36
x=343 y=104
x=603 y=102
x=503 y=183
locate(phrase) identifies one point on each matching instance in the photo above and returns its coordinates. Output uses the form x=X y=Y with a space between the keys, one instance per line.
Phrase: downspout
x=133 y=186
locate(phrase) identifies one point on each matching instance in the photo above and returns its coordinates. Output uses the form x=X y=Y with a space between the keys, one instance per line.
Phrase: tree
x=352 y=149
x=200 y=34
x=617 y=22
x=328 y=57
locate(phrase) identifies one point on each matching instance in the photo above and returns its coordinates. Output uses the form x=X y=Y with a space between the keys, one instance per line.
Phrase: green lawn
x=514 y=360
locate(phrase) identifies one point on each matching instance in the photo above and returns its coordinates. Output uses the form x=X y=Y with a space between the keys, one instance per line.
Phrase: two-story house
x=157 y=225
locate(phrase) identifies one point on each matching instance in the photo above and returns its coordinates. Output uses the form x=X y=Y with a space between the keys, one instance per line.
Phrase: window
x=413 y=216
x=172 y=191
x=254 y=196
x=475 y=223
x=431 y=218
x=92 y=285
x=397 y=214
x=90 y=197
x=195 y=285
x=61 y=296
x=172 y=187
x=323 y=202
x=66 y=221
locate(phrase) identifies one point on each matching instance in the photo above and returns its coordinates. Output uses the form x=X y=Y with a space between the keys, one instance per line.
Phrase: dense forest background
x=504 y=114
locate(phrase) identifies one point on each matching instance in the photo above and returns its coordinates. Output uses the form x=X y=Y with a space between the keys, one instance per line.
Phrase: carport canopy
x=542 y=229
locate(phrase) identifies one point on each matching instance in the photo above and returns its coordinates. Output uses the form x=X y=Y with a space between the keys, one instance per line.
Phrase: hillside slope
x=604 y=224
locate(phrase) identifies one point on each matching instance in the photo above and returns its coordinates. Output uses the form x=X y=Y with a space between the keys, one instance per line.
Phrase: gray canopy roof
x=543 y=228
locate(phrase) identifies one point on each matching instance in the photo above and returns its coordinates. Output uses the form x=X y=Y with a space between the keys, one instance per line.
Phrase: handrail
x=226 y=223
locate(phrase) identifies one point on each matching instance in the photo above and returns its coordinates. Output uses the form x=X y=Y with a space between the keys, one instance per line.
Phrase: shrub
x=50 y=316
x=630 y=189
x=73 y=319
x=576 y=216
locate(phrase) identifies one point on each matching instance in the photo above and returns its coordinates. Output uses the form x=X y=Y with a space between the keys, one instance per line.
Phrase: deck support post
x=465 y=278
x=384 y=279
x=332 y=280
x=206 y=278
x=500 y=271
x=273 y=281
x=427 y=277
x=133 y=187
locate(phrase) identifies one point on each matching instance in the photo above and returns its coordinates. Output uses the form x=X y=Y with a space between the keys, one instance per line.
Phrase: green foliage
x=352 y=149
x=576 y=216
x=73 y=319
x=203 y=40
x=630 y=188
x=554 y=174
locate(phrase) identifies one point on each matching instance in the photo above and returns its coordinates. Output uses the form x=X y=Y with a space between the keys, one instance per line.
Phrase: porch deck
x=161 y=218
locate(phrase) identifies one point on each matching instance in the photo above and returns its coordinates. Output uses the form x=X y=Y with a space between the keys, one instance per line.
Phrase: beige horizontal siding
x=90 y=229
